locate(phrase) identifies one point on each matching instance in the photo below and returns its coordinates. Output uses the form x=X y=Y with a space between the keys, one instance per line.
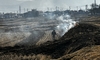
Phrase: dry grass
x=25 y=57
x=68 y=47
x=91 y=20
x=47 y=37
x=19 y=26
x=87 y=53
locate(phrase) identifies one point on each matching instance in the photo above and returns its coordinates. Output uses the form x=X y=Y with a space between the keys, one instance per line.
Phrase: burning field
x=31 y=39
x=33 y=31
x=79 y=43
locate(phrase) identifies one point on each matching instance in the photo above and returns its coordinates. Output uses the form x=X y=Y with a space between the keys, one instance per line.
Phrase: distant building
x=10 y=15
x=33 y=13
x=1 y=15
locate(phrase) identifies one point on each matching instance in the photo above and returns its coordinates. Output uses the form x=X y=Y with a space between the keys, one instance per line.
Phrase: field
x=25 y=31
x=79 y=43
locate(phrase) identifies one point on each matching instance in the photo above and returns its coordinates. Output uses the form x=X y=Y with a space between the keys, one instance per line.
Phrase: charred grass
x=82 y=35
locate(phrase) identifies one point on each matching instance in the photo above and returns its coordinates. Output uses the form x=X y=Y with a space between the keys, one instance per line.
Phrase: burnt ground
x=80 y=36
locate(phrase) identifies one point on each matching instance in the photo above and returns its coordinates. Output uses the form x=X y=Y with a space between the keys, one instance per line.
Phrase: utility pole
x=19 y=9
x=69 y=8
x=56 y=8
x=77 y=8
x=17 y=12
x=95 y=3
x=27 y=9
x=86 y=7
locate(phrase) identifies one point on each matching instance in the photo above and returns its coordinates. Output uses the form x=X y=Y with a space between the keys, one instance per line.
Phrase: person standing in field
x=53 y=34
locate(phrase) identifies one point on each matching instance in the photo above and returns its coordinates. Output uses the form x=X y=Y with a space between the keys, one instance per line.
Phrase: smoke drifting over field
x=34 y=30
x=66 y=23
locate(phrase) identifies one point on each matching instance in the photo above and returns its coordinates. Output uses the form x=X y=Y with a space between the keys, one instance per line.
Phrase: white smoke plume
x=65 y=24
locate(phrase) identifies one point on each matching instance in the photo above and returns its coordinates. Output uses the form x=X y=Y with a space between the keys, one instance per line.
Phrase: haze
x=12 y=5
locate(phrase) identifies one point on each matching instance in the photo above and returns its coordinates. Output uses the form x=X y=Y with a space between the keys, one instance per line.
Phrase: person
x=53 y=34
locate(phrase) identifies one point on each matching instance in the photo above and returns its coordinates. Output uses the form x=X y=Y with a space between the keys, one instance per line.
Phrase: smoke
x=30 y=31
x=60 y=23
x=50 y=16
x=65 y=24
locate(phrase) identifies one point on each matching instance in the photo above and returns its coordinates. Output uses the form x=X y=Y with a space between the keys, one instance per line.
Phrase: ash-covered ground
x=31 y=31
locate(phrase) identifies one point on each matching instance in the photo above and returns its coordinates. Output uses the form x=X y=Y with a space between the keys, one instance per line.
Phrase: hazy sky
x=12 y=5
